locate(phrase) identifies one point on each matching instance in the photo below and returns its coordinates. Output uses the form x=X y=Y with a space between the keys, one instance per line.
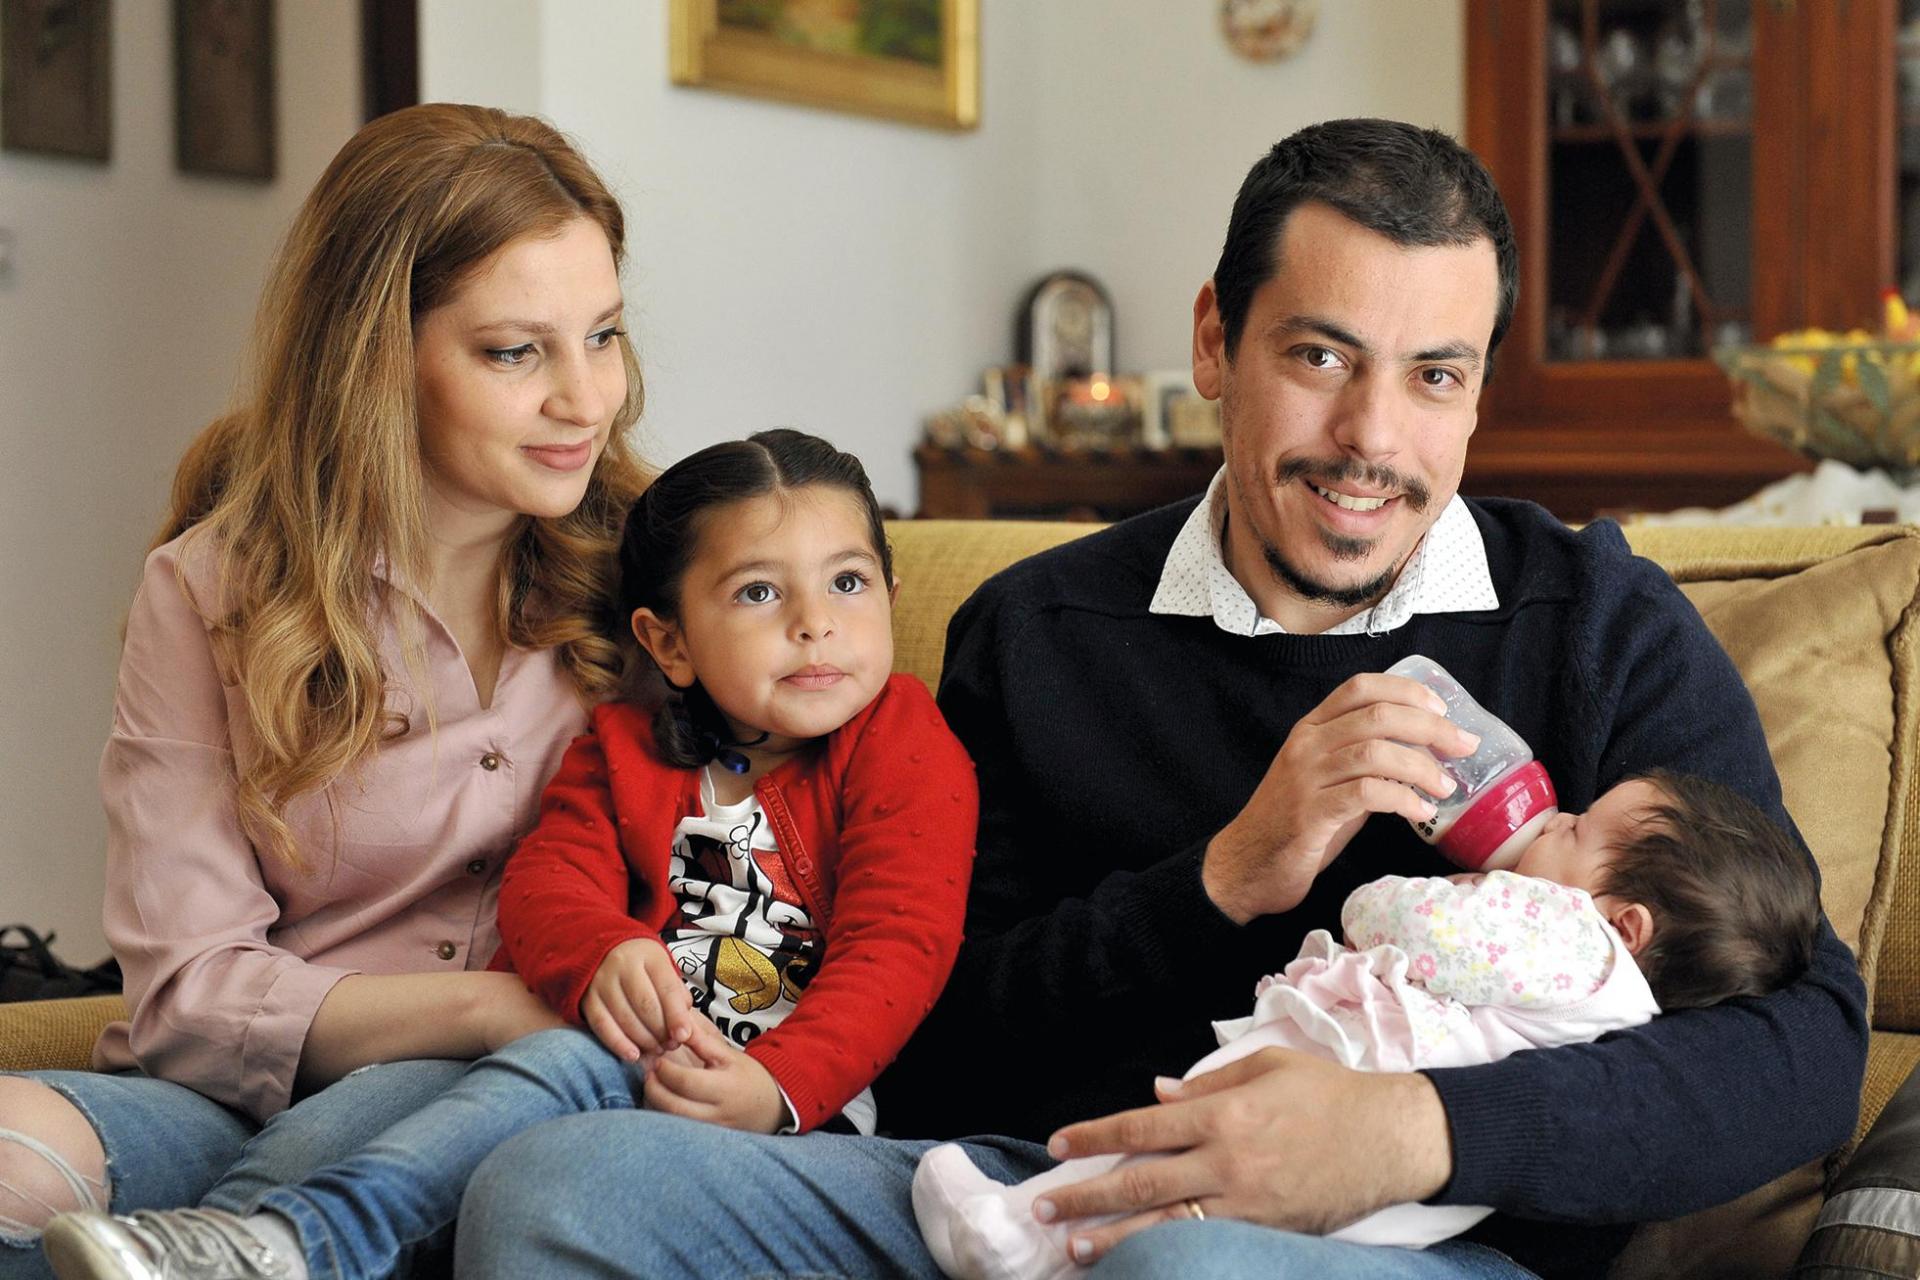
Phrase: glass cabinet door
x=1907 y=132
x=1683 y=174
x=1649 y=178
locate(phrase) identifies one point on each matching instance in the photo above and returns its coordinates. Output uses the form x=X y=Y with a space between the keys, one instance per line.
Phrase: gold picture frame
x=818 y=53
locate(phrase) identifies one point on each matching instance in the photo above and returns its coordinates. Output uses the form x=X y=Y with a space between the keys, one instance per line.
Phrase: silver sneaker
x=174 y=1244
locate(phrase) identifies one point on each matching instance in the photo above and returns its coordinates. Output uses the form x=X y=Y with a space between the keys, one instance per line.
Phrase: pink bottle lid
x=1522 y=797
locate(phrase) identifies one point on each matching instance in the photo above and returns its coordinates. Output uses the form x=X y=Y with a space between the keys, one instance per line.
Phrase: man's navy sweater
x=1112 y=743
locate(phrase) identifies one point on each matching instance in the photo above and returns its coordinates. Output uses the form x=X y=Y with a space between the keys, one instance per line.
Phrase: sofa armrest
x=39 y=1035
x=1870 y=1226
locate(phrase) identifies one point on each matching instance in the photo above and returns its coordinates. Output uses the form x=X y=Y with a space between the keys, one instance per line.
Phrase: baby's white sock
x=979 y=1229
x=944 y=1178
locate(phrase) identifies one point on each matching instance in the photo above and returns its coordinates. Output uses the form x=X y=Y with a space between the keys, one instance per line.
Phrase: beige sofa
x=1821 y=623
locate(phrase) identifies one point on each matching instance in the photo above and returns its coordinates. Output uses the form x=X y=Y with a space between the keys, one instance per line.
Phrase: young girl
x=1669 y=889
x=750 y=896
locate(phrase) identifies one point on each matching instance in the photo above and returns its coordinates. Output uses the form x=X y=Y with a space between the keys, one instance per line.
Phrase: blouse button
x=477 y=866
x=490 y=761
x=446 y=951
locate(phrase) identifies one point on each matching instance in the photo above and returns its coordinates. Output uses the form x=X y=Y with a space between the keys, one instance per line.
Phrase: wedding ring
x=1195 y=1212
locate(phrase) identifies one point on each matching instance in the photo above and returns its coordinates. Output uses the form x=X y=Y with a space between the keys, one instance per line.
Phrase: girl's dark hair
x=1735 y=899
x=663 y=531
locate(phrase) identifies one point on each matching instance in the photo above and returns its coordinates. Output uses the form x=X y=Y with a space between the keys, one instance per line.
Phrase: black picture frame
x=225 y=120
x=56 y=77
x=389 y=55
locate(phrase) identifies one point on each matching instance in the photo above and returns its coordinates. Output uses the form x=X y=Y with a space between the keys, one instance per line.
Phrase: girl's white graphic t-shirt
x=743 y=940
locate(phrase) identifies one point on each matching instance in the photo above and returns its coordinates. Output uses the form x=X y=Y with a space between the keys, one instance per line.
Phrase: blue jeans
x=642 y=1193
x=1242 y=1251
x=168 y=1146
x=367 y=1214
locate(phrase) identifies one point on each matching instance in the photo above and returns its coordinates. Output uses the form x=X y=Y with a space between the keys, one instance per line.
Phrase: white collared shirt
x=1447 y=574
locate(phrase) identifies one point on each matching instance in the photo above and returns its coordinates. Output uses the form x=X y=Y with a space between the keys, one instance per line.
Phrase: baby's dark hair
x=663 y=532
x=1735 y=899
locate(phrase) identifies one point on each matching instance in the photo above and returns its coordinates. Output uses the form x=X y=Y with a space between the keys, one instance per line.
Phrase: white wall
x=1147 y=124
x=121 y=326
x=484 y=51
x=789 y=266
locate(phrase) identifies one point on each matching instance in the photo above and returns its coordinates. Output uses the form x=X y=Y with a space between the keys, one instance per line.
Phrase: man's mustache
x=1328 y=473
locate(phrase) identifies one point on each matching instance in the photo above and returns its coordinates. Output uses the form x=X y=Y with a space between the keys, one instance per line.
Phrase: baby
x=1669 y=893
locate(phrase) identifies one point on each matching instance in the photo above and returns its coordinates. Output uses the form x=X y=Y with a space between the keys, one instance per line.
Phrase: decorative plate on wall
x=1267 y=29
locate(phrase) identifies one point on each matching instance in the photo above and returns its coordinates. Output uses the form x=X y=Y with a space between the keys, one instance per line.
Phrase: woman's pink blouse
x=228 y=952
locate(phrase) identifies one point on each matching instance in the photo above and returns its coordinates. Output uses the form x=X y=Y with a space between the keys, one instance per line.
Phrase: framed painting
x=916 y=61
x=56 y=74
x=223 y=87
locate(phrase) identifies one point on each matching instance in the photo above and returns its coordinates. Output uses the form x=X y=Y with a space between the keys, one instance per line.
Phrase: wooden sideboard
x=1563 y=473
x=1038 y=482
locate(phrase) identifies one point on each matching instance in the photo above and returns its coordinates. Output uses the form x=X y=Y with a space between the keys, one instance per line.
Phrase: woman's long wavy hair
x=318 y=475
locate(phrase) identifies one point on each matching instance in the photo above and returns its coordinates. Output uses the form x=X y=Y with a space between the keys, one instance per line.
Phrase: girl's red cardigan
x=876 y=825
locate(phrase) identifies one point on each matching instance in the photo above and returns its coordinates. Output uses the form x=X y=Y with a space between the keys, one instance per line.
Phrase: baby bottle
x=1502 y=797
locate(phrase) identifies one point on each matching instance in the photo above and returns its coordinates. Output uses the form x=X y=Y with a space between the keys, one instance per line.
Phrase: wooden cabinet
x=1043 y=483
x=1681 y=173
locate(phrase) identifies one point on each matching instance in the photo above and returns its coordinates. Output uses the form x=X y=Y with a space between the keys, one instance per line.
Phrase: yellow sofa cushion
x=1820 y=623
x=46 y=1035
x=938 y=563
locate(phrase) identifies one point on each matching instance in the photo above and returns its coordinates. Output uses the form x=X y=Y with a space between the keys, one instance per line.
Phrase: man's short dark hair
x=1417 y=187
x=1735 y=899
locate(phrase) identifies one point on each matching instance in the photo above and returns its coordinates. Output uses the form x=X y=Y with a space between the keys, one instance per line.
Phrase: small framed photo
x=223 y=89
x=1158 y=390
x=56 y=77
x=1006 y=386
x=1193 y=422
x=1009 y=389
x=1099 y=412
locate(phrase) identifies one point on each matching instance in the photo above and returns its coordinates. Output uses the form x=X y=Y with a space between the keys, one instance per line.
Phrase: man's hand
x=1278 y=1138
x=637 y=1003
x=1356 y=754
x=708 y=1079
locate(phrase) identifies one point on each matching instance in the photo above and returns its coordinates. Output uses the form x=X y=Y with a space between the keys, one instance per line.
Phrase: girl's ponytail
x=673 y=731
x=689 y=730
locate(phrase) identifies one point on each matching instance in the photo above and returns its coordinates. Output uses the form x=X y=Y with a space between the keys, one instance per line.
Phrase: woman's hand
x=637 y=1003
x=708 y=1079
x=512 y=1012
x=369 y=1018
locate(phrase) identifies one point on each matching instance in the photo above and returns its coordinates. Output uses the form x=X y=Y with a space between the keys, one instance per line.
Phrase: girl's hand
x=636 y=1004
x=727 y=1087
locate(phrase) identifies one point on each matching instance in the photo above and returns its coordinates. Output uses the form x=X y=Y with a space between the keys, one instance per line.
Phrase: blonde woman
x=369 y=628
